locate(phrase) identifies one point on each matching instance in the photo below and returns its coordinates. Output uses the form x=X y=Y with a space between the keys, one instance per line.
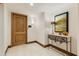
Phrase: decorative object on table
x=61 y=23
x=65 y=33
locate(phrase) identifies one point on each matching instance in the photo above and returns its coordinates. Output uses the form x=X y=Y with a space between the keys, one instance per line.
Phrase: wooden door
x=19 y=29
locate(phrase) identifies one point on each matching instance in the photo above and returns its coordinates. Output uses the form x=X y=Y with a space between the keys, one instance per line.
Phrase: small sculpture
x=65 y=33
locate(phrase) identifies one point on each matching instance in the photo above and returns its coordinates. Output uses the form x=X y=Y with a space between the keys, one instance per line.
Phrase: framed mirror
x=61 y=22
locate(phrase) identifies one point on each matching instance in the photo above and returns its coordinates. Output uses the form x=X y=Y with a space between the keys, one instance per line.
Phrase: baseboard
x=6 y=51
x=62 y=50
x=40 y=44
x=30 y=42
x=35 y=42
x=9 y=46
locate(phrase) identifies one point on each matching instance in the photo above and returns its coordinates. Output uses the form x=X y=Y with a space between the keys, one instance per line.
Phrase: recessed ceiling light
x=31 y=4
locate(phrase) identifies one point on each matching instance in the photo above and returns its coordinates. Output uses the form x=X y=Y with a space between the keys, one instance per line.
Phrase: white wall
x=50 y=12
x=2 y=30
x=41 y=28
x=78 y=32
x=32 y=32
x=44 y=14
x=7 y=27
x=23 y=10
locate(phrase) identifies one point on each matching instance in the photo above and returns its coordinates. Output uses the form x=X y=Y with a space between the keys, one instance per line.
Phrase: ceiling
x=38 y=7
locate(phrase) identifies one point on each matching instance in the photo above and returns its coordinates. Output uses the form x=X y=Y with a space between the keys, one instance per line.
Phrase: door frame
x=12 y=26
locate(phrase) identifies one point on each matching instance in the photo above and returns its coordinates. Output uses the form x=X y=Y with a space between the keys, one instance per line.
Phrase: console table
x=61 y=39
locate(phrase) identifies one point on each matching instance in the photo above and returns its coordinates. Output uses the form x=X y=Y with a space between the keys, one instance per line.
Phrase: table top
x=60 y=35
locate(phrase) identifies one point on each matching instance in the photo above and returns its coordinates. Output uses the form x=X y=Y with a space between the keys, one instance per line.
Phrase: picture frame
x=61 y=22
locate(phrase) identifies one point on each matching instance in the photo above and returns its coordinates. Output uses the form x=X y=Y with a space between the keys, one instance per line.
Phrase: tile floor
x=31 y=50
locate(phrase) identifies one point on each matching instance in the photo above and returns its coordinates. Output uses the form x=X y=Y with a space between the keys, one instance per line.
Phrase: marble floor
x=31 y=50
